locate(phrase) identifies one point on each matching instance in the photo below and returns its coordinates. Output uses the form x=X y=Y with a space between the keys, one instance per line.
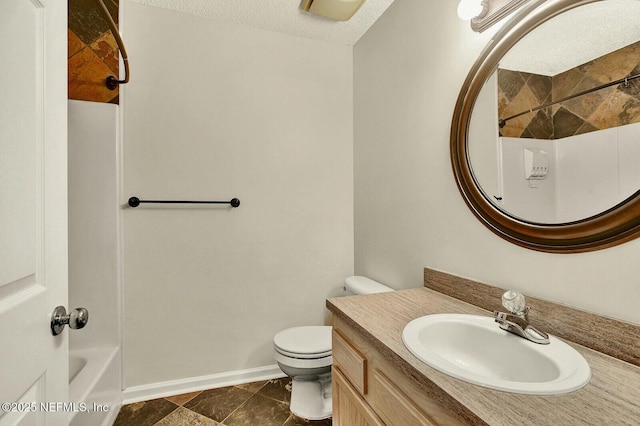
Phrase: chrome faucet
x=517 y=320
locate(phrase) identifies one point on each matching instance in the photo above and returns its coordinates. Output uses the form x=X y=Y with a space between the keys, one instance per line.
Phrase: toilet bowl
x=304 y=354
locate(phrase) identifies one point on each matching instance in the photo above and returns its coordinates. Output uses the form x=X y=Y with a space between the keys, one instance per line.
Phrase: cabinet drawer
x=351 y=362
x=393 y=406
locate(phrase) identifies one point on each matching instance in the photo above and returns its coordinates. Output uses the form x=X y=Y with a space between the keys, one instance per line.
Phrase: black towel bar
x=135 y=202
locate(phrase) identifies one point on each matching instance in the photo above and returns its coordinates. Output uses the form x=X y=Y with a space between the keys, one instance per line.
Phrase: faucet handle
x=514 y=302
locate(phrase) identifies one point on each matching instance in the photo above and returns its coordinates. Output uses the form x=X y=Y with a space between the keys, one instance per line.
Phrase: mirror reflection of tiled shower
x=602 y=109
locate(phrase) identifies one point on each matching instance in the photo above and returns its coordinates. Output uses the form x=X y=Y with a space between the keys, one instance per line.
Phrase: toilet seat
x=310 y=342
x=302 y=356
x=305 y=363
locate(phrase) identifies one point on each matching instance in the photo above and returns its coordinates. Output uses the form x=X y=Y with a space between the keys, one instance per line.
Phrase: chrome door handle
x=76 y=319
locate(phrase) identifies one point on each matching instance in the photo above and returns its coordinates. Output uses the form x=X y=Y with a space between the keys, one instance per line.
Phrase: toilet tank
x=364 y=285
x=359 y=285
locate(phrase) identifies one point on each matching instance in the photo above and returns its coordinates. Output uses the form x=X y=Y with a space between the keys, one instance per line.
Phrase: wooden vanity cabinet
x=369 y=390
x=349 y=408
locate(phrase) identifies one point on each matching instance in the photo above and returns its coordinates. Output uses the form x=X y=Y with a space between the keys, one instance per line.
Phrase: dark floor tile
x=252 y=387
x=183 y=398
x=145 y=413
x=217 y=404
x=297 y=421
x=259 y=410
x=184 y=417
x=278 y=389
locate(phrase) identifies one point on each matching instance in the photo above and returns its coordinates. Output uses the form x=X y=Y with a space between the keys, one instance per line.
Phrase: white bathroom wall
x=216 y=111
x=408 y=212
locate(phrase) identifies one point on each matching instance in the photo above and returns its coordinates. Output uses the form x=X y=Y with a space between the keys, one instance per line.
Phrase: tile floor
x=253 y=404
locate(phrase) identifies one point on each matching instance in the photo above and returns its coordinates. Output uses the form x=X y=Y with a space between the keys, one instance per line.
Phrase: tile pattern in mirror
x=263 y=403
x=603 y=109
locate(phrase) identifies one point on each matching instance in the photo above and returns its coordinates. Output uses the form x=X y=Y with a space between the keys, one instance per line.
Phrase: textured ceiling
x=281 y=15
x=576 y=37
x=566 y=41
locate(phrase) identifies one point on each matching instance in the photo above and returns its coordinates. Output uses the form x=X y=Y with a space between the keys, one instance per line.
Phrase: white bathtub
x=94 y=379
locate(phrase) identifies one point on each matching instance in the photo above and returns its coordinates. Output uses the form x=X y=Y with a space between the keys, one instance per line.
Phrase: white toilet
x=304 y=354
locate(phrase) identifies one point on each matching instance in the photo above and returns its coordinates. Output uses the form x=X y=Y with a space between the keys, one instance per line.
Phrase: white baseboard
x=194 y=384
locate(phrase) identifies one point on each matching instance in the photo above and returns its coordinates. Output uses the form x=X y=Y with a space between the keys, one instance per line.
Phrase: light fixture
x=339 y=10
x=485 y=13
x=468 y=9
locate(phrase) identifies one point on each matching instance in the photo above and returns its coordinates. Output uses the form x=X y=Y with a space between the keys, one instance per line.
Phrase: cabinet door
x=349 y=409
x=393 y=406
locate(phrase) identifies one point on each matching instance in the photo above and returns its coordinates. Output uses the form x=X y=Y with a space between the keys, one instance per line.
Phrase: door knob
x=76 y=319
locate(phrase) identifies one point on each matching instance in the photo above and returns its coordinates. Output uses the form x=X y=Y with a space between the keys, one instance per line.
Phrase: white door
x=33 y=211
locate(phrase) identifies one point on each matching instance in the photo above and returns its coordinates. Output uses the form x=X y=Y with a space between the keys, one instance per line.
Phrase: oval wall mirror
x=545 y=137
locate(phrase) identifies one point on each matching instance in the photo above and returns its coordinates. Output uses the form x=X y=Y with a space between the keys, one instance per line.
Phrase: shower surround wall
x=218 y=111
x=571 y=191
x=94 y=274
x=603 y=109
x=408 y=211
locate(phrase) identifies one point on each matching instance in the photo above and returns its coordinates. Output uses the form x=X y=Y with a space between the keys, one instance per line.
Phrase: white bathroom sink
x=475 y=349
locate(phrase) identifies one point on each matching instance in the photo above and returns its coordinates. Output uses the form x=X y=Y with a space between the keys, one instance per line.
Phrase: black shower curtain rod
x=503 y=121
x=112 y=82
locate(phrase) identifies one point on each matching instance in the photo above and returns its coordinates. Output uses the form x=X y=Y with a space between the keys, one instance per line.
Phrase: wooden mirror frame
x=615 y=226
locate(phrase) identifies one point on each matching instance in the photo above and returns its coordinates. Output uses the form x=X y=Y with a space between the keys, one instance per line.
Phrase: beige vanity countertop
x=612 y=397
